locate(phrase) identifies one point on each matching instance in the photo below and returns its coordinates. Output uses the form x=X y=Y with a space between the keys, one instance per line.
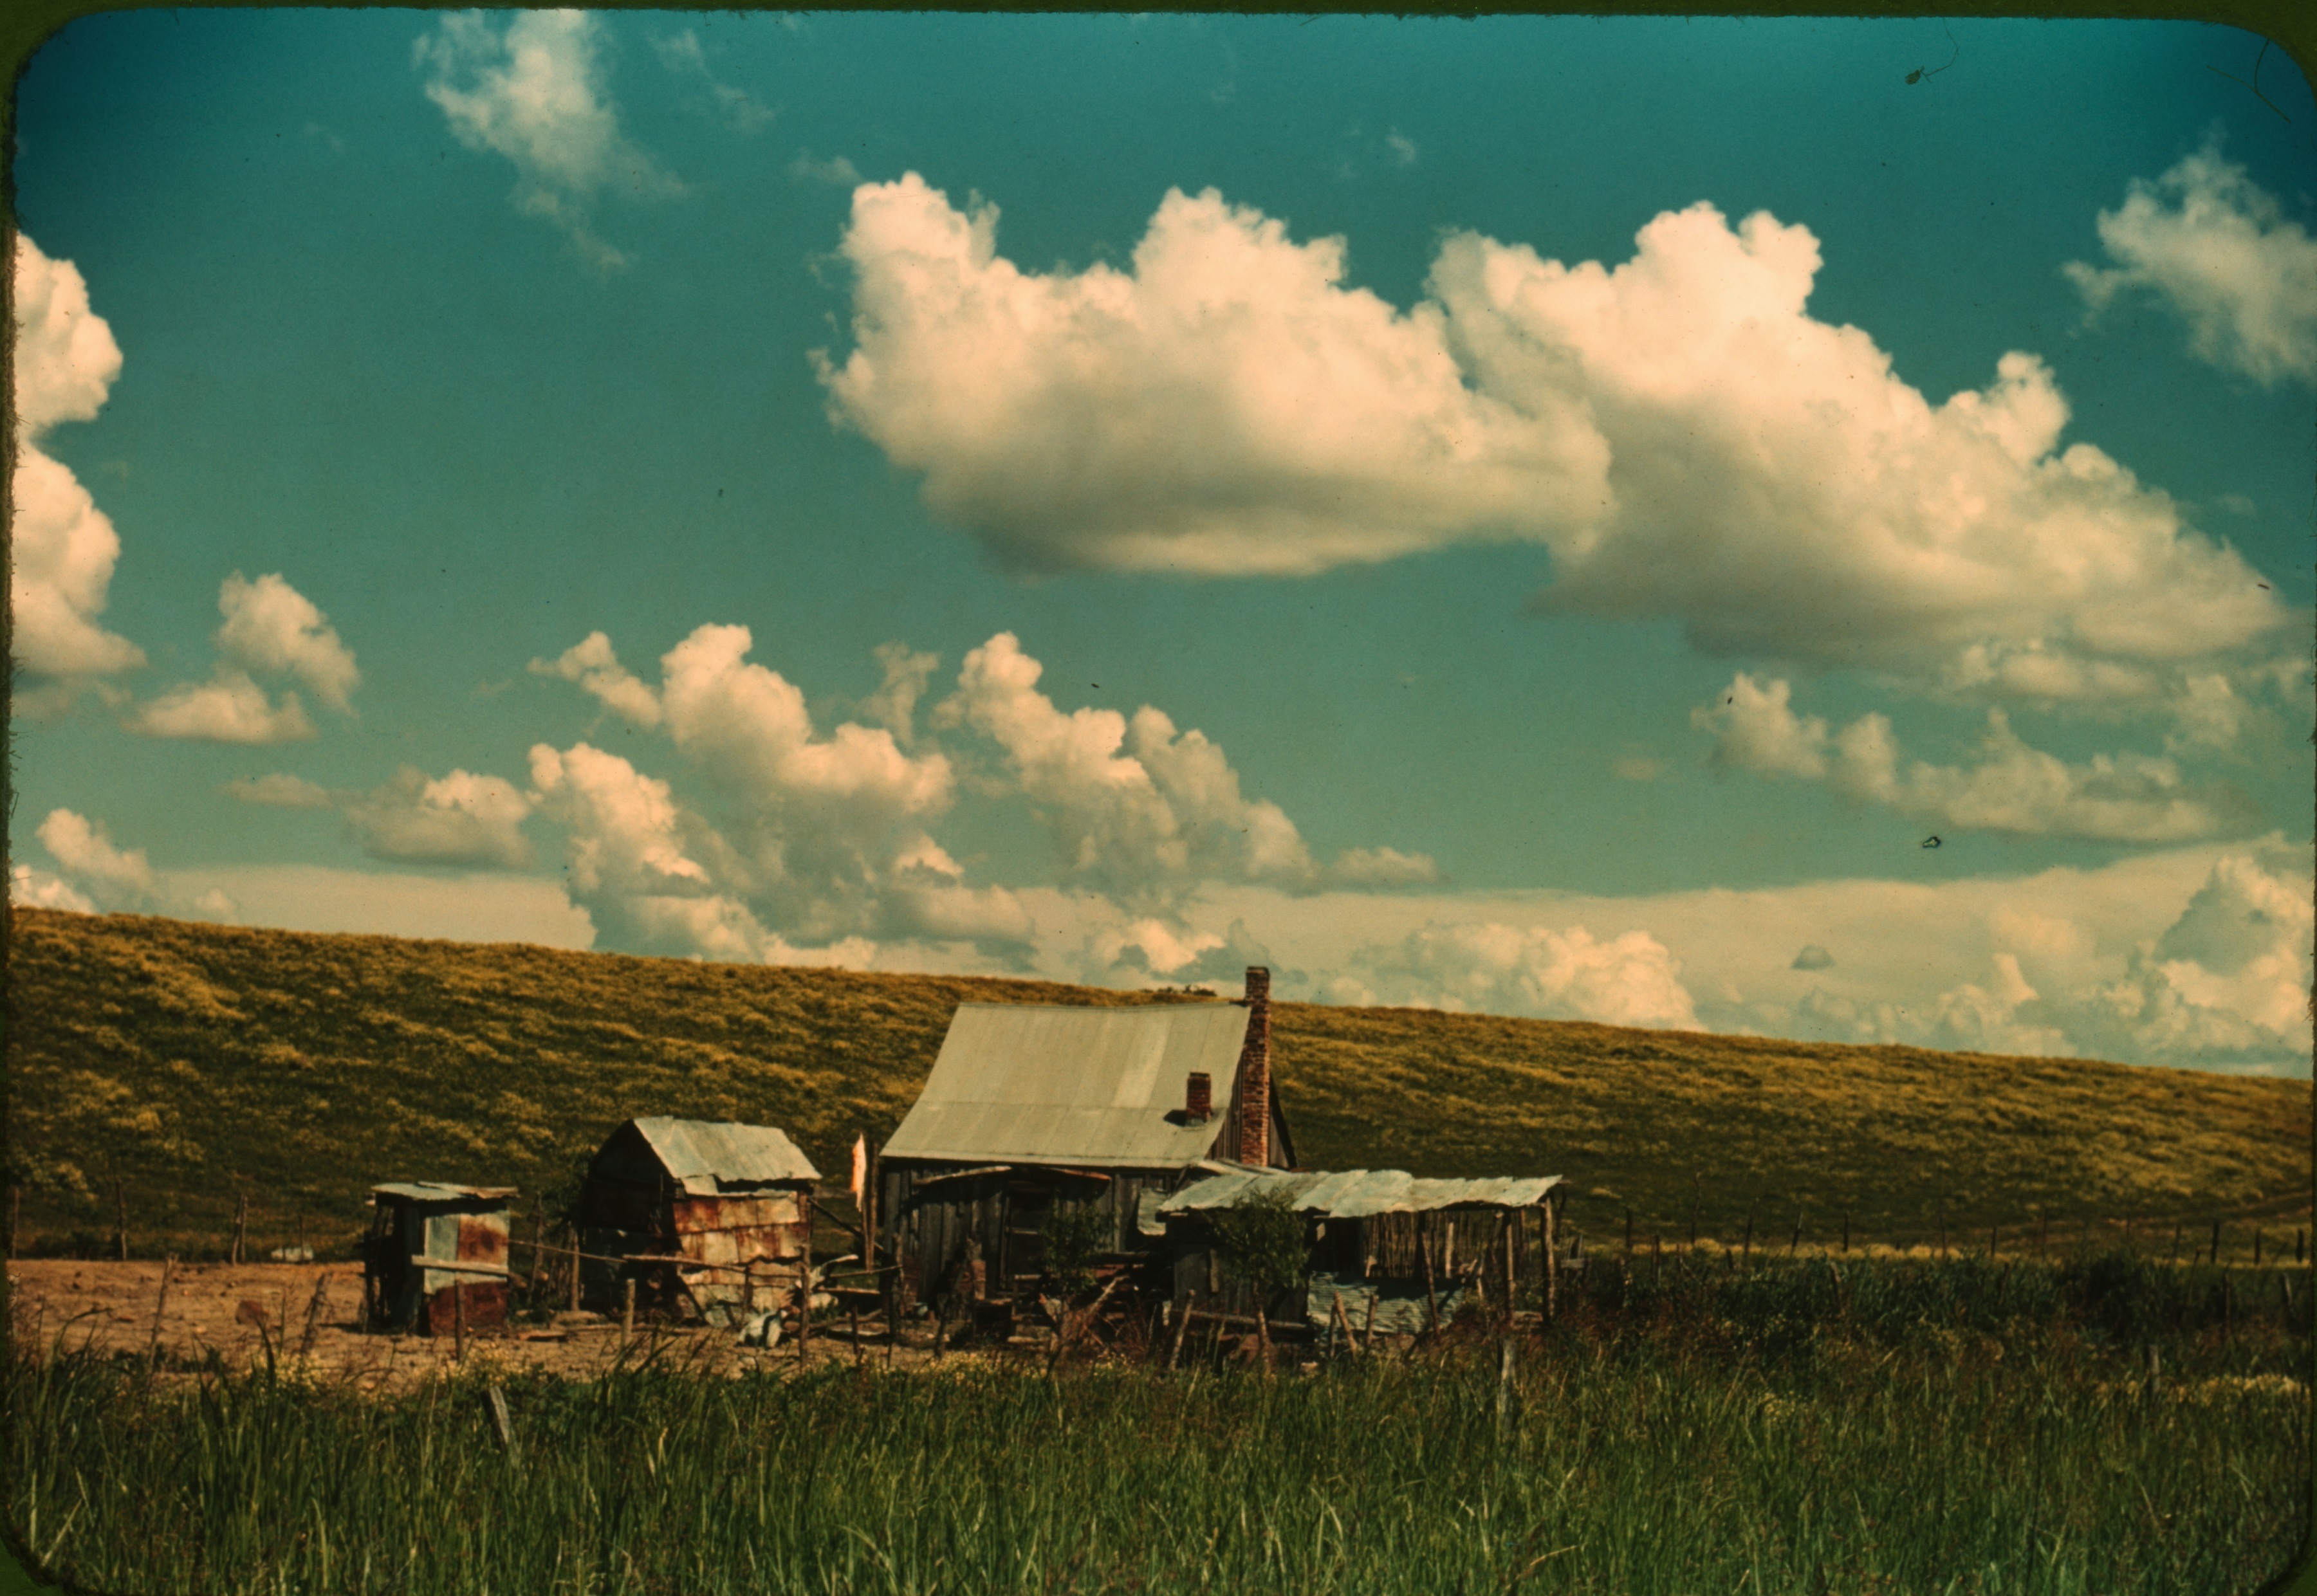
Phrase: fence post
x=240 y=1224
x=160 y=1307
x=121 y=1212
x=1846 y=1232
x=1504 y=1389
x=458 y=1319
x=574 y=1228
x=628 y=1313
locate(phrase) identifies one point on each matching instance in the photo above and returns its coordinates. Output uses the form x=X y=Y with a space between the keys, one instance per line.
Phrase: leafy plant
x=1261 y=1239
x=1073 y=1236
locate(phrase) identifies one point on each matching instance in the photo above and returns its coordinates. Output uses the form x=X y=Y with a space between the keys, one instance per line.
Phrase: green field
x=192 y=1063
x=1915 y=1429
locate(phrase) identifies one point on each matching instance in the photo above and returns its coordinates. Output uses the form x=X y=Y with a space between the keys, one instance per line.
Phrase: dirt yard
x=308 y=1314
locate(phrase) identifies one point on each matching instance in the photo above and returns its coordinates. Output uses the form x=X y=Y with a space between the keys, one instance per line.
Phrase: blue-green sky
x=1553 y=597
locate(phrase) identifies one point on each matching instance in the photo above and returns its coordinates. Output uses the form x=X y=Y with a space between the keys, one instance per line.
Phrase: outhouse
x=436 y=1256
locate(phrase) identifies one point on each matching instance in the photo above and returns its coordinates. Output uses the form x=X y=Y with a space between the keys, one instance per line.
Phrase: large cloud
x=62 y=546
x=1508 y=969
x=827 y=840
x=1684 y=436
x=269 y=625
x=2130 y=797
x=533 y=93
x=2244 y=278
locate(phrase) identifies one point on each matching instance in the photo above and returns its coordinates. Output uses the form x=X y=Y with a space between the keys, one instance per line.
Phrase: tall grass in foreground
x=1944 y=1463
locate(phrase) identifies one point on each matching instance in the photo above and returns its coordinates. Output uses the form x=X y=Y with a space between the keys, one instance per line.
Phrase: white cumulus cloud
x=2214 y=243
x=1683 y=435
x=1532 y=970
x=459 y=819
x=269 y=625
x=592 y=664
x=1140 y=808
x=229 y=708
x=533 y=93
x=62 y=546
x=2010 y=787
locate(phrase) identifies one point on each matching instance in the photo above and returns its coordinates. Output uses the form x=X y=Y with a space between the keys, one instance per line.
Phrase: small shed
x=707 y=1217
x=1034 y=1108
x=1381 y=1243
x=428 y=1240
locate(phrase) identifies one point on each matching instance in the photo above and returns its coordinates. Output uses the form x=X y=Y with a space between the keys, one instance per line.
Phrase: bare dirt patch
x=307 y=1314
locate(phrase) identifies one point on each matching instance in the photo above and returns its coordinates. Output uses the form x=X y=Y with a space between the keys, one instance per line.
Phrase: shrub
x=1073 y=1236
x=1261 y=1239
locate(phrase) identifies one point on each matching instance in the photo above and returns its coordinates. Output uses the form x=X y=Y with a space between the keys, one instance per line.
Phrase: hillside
x=195 y=1062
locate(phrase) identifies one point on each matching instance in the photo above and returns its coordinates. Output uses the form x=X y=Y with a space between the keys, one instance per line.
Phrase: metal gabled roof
x=705 y=1156
x=440 y=1191
x=1356 y=1194
x=1098 y=1086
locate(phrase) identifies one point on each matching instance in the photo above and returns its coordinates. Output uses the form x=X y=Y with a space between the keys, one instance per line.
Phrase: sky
x=1780 y=527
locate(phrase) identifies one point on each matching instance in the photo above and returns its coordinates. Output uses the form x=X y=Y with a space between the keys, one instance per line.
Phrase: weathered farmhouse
x=1034 y=1108
x=715 y=1217
x=428 y=1241
x=1395 y=1252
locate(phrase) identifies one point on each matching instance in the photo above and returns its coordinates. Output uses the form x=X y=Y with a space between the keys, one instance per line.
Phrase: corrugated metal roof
x=438 y=1191
x=705 y=1156
x=1054 y=1084
x=1355 y=1194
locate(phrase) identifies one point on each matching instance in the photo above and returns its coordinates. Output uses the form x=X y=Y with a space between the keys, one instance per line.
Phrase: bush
x=1261 y=1239
x=1073 y=1236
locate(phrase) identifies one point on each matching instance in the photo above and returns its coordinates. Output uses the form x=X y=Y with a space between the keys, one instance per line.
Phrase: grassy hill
x=196 y=1062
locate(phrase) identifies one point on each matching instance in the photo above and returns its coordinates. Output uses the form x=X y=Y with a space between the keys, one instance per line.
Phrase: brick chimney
x=1254 y=1071
x=1199 y=1098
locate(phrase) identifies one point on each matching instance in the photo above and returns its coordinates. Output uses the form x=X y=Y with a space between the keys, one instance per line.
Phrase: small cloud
x=1403 y=148
x=736 y=107
x=318 y=131
x=1637 y=767
x=229 y=708
x=2237 y=504
x=2242 y=277
x=280 y=791
x=1812 y=957
x=837 y=171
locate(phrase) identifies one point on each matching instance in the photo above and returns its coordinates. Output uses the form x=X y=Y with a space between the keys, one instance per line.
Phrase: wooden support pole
x=854 y=1314
x=120 y=1211
x=574 y=1229
x=1512 y=1234
x=1504 y=1389
x=240 y=1223
x=495 y=1399
x=1431 y=1296
x=627 y=1311
x=1367 y=1330
x=458 y=1321
x=160 y=1307
x=1263 y=1339
x=1552 y=1258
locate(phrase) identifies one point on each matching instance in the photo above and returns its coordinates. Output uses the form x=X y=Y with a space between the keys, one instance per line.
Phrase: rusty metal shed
x=1031 y=1108
x=707 y=1217
x=1414 y=1247
x=427 y=1240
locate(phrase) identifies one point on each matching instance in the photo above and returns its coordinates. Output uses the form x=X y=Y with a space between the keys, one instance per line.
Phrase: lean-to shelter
x=1414 y=1249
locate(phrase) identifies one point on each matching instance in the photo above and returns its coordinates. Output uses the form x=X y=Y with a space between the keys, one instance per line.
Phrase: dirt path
x=308 y=1313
